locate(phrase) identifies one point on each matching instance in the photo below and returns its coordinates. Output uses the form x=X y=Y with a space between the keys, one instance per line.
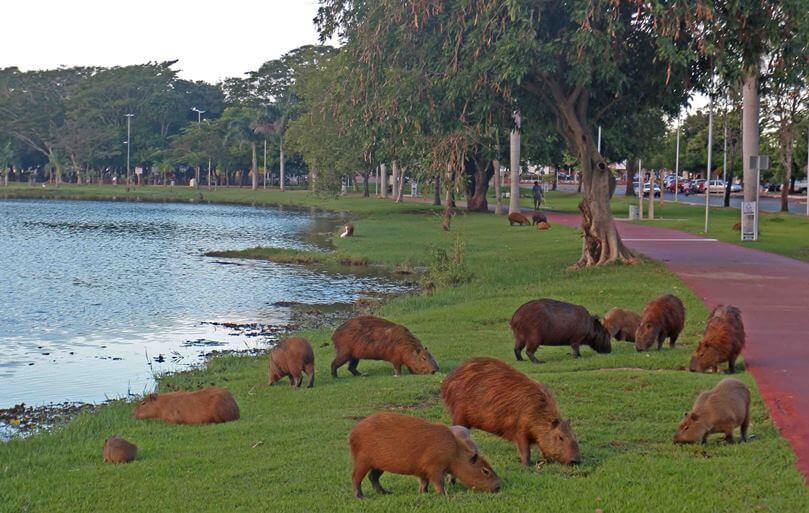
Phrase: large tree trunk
x=366 y=191
x=281 y=165
x=786 y=150
x=254 y=169
x=514 y=154
x=631 y=169
x=498 y=206
x=394 y=179
x=477 y=184
x=449 y=202
x=399 y=182
x=383 y=180
x=750 y=135
x=437 y=196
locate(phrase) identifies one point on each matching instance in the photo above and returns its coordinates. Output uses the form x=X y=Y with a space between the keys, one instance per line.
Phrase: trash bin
x=634 y=213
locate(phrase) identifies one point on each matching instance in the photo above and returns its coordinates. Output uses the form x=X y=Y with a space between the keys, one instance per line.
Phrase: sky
x=213 y=39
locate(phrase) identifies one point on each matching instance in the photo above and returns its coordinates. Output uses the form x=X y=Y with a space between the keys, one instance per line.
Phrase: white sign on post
x=757 y=163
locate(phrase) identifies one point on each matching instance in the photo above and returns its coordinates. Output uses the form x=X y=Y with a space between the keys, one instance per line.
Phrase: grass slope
x=289 y=452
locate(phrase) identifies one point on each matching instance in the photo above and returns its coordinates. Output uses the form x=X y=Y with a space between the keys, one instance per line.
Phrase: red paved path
x=773 y=293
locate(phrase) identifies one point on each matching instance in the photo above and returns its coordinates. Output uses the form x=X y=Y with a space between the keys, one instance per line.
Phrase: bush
x=446 y=268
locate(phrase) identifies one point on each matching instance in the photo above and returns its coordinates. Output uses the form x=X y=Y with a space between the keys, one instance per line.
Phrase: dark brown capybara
x=292 y=357
x=401 y=444
x=348 y=231
x=206 y=406
x=372 y=338
x=118 y=450
x=622 y=324
x=663 y=317
x=488 y=394
x=556 y=323
x=539 y=217
x=718 y=410
x=737 y=227
x=518 y=218
x=722 y=341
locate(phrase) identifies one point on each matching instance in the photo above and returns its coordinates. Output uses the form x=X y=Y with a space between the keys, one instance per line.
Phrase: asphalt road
x=768 y=204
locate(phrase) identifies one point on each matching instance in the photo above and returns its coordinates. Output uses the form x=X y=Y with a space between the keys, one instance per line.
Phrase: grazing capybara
x=543 y=226
x=539 y=217
x=518 y=218
x=488 y=394
x=556 y=323
x=348 y=231
x=737 y=227
x=206 y=406
x=622 y=324
x=118 y=450
x=372 y=338
x=663 y=317
x=718 y=410
x=722 y=341
x=292 y=357
x=391 y=442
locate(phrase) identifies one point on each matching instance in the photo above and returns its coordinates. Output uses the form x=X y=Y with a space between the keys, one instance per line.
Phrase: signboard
x=414 y=189
x=749 y=220
x=138 y=170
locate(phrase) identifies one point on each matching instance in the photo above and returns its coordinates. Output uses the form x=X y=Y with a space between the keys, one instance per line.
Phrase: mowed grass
x=288 y=452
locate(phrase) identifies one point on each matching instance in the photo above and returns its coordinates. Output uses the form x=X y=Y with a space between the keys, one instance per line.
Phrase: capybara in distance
x=718 y=410
x=391 y=442
x=373 y=338
x=722 y=341
x=543 y=226
x=622 y=324
x=292 y=357
x=663 y=317
x=556 y=323
x=118 y=450
x=348 y=231
x=518 y=218
x=206 y=406
x=488 y=394
x=539 y=217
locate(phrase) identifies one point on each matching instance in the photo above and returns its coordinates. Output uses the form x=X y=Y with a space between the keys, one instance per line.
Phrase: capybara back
x=622 y=324
x=118 y=450
x=206 y=406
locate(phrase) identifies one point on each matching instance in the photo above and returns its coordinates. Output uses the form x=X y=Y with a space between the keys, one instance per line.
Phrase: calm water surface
x=95 y=297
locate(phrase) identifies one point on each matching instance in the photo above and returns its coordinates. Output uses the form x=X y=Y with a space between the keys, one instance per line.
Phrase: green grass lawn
x=289 y=451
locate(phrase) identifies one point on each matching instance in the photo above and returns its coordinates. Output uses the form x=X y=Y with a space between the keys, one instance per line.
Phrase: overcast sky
x=213 y=39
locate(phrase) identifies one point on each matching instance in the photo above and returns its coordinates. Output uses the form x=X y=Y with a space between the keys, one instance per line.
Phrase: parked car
x=715 y=186
x=772 y=187
x=646 y=189
x=735 y=187
x=698 y=186
x=801 y=186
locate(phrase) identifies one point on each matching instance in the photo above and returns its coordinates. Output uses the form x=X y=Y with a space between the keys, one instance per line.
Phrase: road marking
x=669 y=240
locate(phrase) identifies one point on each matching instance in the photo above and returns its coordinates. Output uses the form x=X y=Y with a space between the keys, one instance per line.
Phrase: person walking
x=537 y=192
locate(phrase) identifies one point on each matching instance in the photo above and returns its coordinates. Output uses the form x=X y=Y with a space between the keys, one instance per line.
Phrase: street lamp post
x=677 y=163
x=199 y=122
x=708 y=170
x=128 y=139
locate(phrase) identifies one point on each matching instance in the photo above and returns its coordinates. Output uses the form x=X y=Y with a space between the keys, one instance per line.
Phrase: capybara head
x=691 y=429
x=646 y=335
x=420 y=361
x=275 y=373
x=601 y=338
x=148 y=408
x=706 y=356
x=559 y=443
x=472 y=469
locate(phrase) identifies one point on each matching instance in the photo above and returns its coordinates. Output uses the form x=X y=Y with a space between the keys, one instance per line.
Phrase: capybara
x=662 y=318
x=556 y=323
x=348 y=231
x=737 y=227
x=391 y=442
x=518 y=218
x=118 y=450
x=718 y=410
x=373 y=338
x=292 y=357
x=543 y=226
x=622 y=324
x=722 y=341
x=206 y=406
x=539 y=217
x=488 y=394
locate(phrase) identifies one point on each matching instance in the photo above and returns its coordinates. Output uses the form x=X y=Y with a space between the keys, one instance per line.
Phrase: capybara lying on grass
x=391 y=442
x=348 y=231
x=556 y=323
x=539 y=217
x=718 y=410
x=543 y=226
x=118 y=450
x=518 y=218
x=292 y=357
x=663 y=317
x=487 y=394
x=722 y=341
x=206 y=406
x=372 y=338
x=622 y=324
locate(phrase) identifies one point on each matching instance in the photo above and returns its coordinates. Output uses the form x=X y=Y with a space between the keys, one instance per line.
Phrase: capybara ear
x=474 y=458
x=694 y=416
x=151 y=397
x=555 y=424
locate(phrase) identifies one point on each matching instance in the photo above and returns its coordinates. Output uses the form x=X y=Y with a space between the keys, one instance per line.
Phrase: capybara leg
x=295 y=378
x=397 y=369
x=519 y=345
x=524 y=447
x=352 y=366
x=731 y=365
x=310 y=371
x=575 y=351
x=745 y=425
x=729 y=437
x=660 y=340
x=338 y=362
x=356 y=478
x=423 y=484
x=374 y=476
x=673 y=339
x=530 y=354
x=437 y=481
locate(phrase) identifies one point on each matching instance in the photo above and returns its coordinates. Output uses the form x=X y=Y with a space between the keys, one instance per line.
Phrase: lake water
x=97 y=297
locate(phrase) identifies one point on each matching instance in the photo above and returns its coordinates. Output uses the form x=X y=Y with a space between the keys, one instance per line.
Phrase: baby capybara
x=488 y=394
x=391 y=442
x=622 y=324
x=518 y=218
x=206 y=406
x=292 y=357
x=373 y=338
x=722 y=341
x=539 y=217
x=556 y=323
x=718 y=410
x=118 y=450
x=663 y=317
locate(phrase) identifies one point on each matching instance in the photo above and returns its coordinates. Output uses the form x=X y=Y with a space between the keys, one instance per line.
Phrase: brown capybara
x=518 y=218
x=118 y=450
x=543 y=226
x=722 y=341
x=206 y=406
x=539 y=217
x=348 y=231
x=663 y=317
x=488 y=394
x=391 y=442
x=718 y=410
x=622 y=324
x=292 y=357
x=737 y=227
x=556 y=323
x=373 y=338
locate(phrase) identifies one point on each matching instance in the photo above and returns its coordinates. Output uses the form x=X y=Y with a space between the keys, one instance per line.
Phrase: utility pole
x=199 y=122
x=265 y=163
x=677 y=163
x=708 y=170
x=128 y=141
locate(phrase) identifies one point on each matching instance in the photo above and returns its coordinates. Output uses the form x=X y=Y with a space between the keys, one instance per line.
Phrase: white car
x=801 y=185
x=717 y=186
x=646 y=189
x=735 y=187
